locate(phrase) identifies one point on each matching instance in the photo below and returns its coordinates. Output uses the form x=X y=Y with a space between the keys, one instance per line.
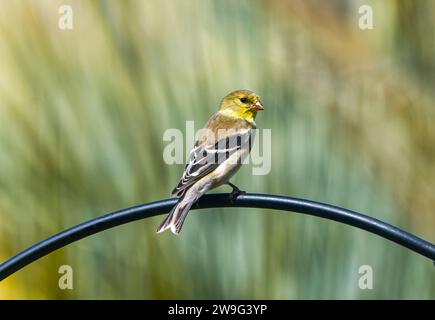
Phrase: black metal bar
x=284 y=203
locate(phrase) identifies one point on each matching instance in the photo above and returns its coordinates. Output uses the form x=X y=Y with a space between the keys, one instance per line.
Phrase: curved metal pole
x=265 y=201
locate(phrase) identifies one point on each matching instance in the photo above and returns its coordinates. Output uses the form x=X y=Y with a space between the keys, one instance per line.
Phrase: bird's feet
x=235 y=193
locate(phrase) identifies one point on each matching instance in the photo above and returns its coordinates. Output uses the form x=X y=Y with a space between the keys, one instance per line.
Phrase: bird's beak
x=258 y=106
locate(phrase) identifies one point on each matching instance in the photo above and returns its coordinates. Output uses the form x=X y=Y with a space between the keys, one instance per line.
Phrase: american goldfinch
x=223 y=144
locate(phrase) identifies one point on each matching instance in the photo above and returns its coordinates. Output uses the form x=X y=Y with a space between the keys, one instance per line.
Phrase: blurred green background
x=83 y=111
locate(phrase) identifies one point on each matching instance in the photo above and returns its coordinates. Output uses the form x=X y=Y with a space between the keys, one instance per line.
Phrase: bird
x=222 y=145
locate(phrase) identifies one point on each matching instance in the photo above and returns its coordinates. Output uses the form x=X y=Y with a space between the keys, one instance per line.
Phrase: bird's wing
x=204 y=158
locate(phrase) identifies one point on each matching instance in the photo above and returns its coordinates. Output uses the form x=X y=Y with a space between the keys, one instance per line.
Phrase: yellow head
x=242 y=104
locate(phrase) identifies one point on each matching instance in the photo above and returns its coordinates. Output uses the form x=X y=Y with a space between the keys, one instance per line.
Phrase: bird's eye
x=243 y=100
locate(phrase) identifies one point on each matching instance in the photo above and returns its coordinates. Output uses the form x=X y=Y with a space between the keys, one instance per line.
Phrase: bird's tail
x=175 y=218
